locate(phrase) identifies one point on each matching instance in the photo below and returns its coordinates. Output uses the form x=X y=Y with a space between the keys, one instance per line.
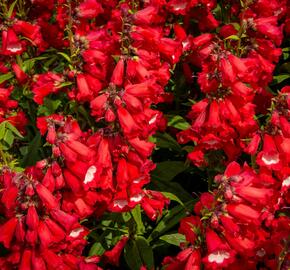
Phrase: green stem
x=253 y=162
x=110 y=228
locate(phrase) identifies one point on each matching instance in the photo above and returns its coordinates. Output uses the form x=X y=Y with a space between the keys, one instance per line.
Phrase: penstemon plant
x=144 y=134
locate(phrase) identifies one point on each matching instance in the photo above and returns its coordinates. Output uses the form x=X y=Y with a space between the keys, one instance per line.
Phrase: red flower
x=153 y=203
x=269 y=156
x=191 y=227
x=66 y=220
x=244 y=213
x=19 y=73
x=84 y=91
x=25 y=263
x=128 y=124
x=45 y=84
x=89 y=9
x=45 y=235
x=32 y=218
x=187 y=259
x=219 y=254
x=255 y=195
x=10 y=43
x=146 y=15
x=118 y=73
x=46 y=197
x=7 y=231
x=112 y=256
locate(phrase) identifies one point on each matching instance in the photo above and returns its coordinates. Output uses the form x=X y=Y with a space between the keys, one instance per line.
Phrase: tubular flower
x=36 y=224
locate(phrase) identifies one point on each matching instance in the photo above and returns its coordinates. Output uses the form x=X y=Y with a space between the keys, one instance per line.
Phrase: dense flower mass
x=92 y=96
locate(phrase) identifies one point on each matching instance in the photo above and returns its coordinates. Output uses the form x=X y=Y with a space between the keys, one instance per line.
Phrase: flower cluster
x=233 y=79
x=9 y=109
x=38 y=234
x=83 y=85
x=119 y=62
x=237 y=226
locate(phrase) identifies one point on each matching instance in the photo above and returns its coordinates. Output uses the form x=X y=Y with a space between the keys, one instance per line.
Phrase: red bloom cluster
x=238 y=225
x=89 y=76
x=233 y=79
x=119 y=63
x=9 y=109
x=240 y=222
x=37 y=233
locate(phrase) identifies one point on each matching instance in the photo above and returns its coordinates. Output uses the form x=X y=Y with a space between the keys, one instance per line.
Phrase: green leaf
x=280 y=78
x=65 y=56
x=2 y=129
x=116 y=58
x=188 y=148
x=237 y=26
x=97 y=249
x=233 y=37
x=286 y=53
x=28 y=64
x=164 y=140
x=64 y=84
x=145 y=251
x=172 y=187
x=50 y=61
x=32 y=152
x=178 y=122
x=171 y=219
x=173 y=239
x=8 y=137
x=132 y=256
x=6 y=77
x=138 y=252
x=126 y=217
x=172 y=197
x=49 y=106
x=136 y=213
x=13 y=129
x=167 y=170
x=11 y=8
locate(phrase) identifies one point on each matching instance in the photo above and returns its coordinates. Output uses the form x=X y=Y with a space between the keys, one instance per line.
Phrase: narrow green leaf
x=170 y=220
x=167 y=170
x=50 y=61
x=172 y=197
x=145 y=252
x=132 y=256
x=172 y=187
x=188 y=148
x=32 y=152
x=64 y=84
x=11 y=8
x=164 y=140
x=173 y=239
x=280 y=78
x=116 y=58
x=178 y=122
x=2 y=129
x=6 y=76
x=233 y=37
x=13 y=129
x=65 y=56
x=28 y=64
x=286 y=53
x=136 y=213
x=49 y=106
x=97 y=249
x=8 y=137
x=237 y=26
